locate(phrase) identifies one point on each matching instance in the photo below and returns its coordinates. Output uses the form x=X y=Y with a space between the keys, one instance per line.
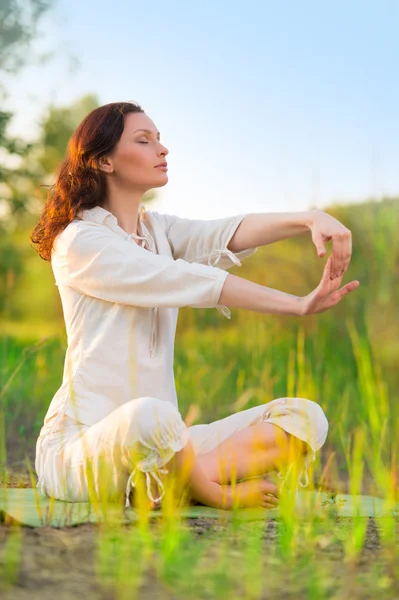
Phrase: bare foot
x=253 y=493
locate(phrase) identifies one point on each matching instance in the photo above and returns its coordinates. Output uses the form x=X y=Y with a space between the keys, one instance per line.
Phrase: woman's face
x=135 y=156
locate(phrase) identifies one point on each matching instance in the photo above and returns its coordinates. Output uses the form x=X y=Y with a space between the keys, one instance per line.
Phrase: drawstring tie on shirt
x=154 y=330
x=304 y=472
x=219 y=253
x=220 y=307
x=213 y=259
x=299 y=432
x=154 y=315
x=131 y=484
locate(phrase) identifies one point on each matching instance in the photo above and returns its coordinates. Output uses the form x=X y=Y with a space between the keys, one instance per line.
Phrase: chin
x=160 y=183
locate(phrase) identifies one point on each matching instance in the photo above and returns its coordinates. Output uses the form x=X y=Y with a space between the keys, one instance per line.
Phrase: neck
x=125 y=205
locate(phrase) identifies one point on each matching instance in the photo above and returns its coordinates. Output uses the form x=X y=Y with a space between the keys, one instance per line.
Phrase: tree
x=19 y=23
x=18 y=28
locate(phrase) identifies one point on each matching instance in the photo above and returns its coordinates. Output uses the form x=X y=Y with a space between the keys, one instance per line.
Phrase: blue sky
x=264 y=106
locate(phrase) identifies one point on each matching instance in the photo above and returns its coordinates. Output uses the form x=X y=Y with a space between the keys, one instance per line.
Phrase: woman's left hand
x=324 y=227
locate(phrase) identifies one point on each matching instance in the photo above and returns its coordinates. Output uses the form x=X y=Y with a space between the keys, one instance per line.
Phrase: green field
x=346 y=359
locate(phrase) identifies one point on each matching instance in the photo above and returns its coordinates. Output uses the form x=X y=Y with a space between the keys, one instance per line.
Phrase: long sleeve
x=96 y=262
x=203 y=241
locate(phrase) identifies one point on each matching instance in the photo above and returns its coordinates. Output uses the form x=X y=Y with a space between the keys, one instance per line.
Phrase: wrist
x=310 y=217
x=302 y=306
x=296 y=306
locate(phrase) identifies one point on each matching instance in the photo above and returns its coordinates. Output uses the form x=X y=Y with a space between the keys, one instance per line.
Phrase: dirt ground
x=60 y=562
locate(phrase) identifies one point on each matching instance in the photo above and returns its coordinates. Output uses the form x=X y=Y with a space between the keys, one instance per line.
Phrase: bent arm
x=260 y=229
x=98 y=263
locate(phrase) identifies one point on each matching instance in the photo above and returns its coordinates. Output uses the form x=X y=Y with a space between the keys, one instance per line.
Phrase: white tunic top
x=120 y=302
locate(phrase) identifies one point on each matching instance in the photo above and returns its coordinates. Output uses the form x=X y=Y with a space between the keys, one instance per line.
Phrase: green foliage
x=57 y=127
x=19 y=267
x=19 y=23
x=22 y=192
x=19 y=27
x=10 y=269
x=29 y=373
x=266 y=356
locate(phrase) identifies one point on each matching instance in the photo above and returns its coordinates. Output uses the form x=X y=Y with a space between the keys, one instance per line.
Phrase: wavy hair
x=79 y=183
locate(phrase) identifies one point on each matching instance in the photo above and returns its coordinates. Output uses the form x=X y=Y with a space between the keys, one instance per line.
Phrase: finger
x=327 y=269
x=271 y=499
x=336 y=267
x=338 y=253
x=349 y=252
x=342 y=251
x=332 y=284
x=339 y=294
x=269 y=506
x=347 y=249
x=318 y=242
x=349 y=287
x=327 y=278
x=335 y=273
x=272 y=488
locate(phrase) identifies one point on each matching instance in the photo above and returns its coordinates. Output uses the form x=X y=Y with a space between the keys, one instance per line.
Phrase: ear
x=105 y=164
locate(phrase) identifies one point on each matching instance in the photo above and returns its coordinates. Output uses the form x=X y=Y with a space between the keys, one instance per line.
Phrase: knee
x=301 y=418
x=158 y=421
x=317 y=423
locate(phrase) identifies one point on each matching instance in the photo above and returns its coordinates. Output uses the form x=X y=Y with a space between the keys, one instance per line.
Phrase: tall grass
x=346 y=360
x=219 y=376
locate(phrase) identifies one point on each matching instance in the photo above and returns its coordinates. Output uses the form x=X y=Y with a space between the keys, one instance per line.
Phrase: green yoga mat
x=29 y=506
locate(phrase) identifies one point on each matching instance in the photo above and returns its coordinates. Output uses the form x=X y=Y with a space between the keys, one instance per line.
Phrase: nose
x=164 y=149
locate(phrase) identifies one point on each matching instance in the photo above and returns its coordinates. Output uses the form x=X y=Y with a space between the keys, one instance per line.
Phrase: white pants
x=143 y=434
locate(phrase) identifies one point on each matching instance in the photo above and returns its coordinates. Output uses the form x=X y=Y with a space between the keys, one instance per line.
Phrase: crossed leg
x=251 y=452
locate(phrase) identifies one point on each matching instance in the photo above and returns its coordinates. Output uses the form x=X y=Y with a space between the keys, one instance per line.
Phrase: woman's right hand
x=327 y=293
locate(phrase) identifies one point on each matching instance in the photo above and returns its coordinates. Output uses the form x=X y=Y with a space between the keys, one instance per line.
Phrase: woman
x=122 y=273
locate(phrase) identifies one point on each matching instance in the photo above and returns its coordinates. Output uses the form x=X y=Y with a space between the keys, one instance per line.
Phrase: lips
x=164 y=164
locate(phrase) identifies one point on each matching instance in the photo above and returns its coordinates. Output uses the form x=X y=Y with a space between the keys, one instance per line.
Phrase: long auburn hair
x=79 y=183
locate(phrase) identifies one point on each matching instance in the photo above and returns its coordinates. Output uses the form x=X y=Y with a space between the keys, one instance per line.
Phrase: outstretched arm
x=241 y=293
x=260 y=229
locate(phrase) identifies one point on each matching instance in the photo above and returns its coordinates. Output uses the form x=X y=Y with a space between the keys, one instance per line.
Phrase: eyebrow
x=148 y=131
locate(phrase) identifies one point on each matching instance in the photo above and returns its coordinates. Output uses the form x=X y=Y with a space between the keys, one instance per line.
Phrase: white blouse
x=120 y=303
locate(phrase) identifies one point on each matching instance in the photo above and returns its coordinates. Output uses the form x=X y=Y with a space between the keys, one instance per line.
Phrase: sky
x=263 y=106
